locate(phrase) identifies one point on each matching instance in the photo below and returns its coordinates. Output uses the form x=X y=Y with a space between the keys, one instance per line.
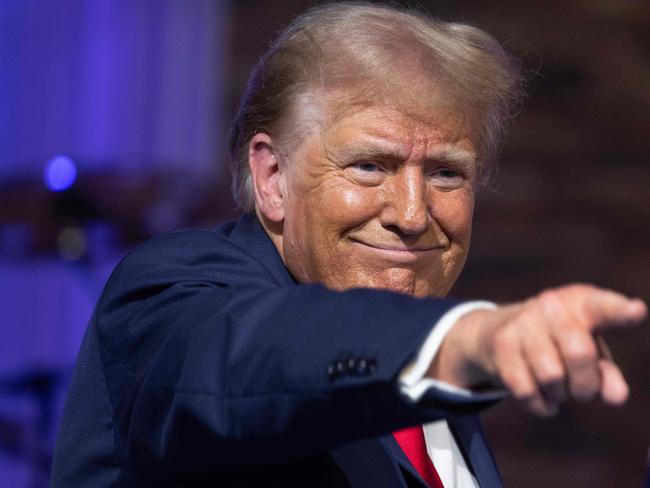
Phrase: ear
x=266 y=174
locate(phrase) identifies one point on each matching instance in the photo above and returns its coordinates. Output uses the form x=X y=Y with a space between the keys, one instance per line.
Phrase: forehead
x=395 y=126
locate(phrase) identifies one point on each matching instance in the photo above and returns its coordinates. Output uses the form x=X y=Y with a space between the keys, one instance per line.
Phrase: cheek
x=314 y=234
x=455 y=216
x=344 y=205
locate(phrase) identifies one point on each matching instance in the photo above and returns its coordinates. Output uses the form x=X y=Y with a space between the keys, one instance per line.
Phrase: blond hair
x=337 y=44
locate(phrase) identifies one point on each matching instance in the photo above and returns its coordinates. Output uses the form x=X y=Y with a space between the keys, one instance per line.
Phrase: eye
x=367 y=172
x=447 y=173
x=367 y=166
x=448 y=178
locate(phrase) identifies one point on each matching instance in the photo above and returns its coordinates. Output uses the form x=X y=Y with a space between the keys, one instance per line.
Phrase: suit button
x=362 y=366
x=331 y=372
x=340 y=368
x=352 y=365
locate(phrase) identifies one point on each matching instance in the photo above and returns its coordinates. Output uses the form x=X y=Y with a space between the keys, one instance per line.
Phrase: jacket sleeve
x=212 y=364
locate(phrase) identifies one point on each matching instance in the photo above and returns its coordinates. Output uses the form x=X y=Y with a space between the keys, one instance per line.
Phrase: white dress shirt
x=441 y=445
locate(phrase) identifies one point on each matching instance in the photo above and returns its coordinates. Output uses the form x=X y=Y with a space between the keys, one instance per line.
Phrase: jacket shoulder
x=196 y=255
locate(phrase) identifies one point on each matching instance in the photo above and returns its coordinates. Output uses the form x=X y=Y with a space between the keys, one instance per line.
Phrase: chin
x=400 y=280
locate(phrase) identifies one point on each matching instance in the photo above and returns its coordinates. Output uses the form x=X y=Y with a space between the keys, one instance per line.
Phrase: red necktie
x=411 y=441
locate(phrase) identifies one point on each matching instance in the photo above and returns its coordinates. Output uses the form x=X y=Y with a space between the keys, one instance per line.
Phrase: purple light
x=60 y=173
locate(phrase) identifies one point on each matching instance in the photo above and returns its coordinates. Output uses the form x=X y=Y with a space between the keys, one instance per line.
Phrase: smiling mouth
x=396 y=251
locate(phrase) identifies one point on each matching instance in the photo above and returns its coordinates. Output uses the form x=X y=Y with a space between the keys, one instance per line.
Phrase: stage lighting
x=60 y=173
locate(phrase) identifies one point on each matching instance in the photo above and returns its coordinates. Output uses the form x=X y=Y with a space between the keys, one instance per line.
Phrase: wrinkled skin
x=380 y=199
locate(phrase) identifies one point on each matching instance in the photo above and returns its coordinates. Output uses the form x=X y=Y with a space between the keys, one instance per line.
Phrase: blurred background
x=113 y=120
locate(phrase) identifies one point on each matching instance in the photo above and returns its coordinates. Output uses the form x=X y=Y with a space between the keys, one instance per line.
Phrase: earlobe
x=266 y=175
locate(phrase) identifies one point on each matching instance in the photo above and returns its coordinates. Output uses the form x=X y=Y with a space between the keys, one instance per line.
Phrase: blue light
x=60 y=173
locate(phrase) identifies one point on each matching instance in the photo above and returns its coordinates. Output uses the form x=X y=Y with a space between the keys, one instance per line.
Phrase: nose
x=407 y=208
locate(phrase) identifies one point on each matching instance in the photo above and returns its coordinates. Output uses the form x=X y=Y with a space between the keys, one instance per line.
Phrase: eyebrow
x=381 y=149
x=448 y=153
x=371 y=148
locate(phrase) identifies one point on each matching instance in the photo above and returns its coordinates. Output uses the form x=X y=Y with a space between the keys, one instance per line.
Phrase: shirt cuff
x=412 y=381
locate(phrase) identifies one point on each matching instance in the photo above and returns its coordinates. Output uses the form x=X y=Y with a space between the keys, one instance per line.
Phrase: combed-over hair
x=339 y=44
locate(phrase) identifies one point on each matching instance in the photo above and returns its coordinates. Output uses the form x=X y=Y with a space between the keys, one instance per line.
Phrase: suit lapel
x=471 y=441
x=392 y=446
x=469 y=437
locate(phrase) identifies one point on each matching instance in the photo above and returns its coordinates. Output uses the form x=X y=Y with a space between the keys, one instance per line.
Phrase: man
x=308 y=344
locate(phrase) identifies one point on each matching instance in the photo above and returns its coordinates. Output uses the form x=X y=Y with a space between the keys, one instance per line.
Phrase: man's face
x=380 y=199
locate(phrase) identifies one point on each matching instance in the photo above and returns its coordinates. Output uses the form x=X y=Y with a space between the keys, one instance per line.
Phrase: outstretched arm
x=542 y=350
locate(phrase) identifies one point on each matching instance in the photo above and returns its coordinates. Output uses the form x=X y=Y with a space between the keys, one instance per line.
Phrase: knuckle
x=551 y=308
x=585 y=287
x=520 y=387
x=549 y=294
x=579 y=288
x=503 y=342
x=580 y=353
x=522 y=393
x=552 y=299
x=551 y=373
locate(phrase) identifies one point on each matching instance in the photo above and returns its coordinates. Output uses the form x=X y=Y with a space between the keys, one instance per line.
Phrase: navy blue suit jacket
x=206 y=364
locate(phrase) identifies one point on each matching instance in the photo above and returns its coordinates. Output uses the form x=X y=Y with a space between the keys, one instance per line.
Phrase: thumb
x=614 y=389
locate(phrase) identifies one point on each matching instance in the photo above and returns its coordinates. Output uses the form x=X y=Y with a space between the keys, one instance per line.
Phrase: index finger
x=605 y=308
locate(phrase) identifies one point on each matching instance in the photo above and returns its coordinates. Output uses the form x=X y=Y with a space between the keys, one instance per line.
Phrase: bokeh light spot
x=71 y=243
x=60 y=173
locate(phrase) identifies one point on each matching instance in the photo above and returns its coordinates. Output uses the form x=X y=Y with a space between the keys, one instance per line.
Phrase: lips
x=395 y=248
x=392 y=247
